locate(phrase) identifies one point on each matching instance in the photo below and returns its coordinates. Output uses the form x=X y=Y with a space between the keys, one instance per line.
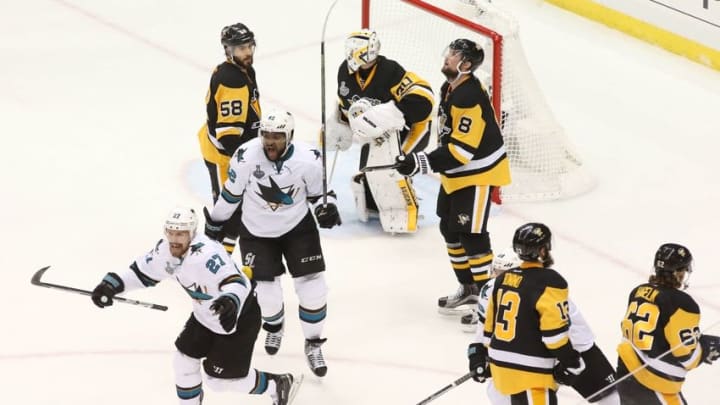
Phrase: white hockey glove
x=338 y=135
x=376 y=121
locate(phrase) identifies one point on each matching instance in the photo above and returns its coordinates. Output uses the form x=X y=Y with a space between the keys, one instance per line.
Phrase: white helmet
x=504 y=261
x=182 y=219
x=361 y=47
x=278 y=121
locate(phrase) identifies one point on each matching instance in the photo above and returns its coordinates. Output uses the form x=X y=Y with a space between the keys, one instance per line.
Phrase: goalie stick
x=379 y=167
x=447 y=388
x=38 y=275
x=322 y=105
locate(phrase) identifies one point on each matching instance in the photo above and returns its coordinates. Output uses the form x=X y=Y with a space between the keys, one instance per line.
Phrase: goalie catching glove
x=369 y=121
x=412 y=164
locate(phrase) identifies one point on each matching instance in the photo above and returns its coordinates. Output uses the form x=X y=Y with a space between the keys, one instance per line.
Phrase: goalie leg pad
x=393 y=193
x=357 y=185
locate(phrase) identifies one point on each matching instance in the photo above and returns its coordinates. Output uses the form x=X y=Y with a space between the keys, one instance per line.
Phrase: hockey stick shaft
x=447 y=388
x=36 y=280
x=379 y=167
x=322 y=104
x=642 y=367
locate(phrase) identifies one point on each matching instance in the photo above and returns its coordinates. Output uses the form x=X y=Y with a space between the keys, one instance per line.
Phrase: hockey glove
x=213 y=229
x=412 y=164
x=567 y=373
x=226 y=308
x=478 y=359
x=103 y=294
x=710 y=348
x=327 y=215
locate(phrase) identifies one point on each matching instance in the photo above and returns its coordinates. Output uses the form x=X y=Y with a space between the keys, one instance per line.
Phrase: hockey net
x=544 y=164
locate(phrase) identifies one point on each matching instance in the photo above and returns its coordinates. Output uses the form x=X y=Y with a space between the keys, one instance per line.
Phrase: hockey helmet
x=236 y=34
x=471 y=52
x=671 y=257
x=278 y=121
x=529 y=241
x=504 y=261
x=182 y=219
x=361 y=47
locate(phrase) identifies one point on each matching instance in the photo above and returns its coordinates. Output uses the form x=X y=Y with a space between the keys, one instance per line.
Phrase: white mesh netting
x=544 y=164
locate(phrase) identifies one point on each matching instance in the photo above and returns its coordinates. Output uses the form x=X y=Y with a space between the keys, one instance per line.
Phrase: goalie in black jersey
x=388 y=109
x=661 y=334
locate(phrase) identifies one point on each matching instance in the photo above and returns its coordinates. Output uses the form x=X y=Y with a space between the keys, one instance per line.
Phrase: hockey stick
x=38 y=275
x=379 y=167
x=447 y=388
x=322 y=104
x=332 y=168
x=642 y=367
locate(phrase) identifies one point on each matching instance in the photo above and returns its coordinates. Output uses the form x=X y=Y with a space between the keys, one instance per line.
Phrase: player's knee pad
x=475 y=243
x=311 y=290
x=270 y=297
x=187 y=371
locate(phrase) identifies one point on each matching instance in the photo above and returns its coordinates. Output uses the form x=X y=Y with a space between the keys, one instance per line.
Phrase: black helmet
x=671 y=257
x=530 y=239
x=470 y=51
x=236 y=34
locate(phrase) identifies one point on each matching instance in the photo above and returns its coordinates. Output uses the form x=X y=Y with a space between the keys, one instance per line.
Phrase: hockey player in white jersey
x=225 y=320
x=590 y=383
x=274 y=180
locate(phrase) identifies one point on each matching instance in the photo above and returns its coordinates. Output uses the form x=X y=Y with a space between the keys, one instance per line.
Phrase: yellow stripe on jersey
x=412 y=84
x=497 y=176
x=511 y=381
x=468 y=125
x=481 y=205
x=551 y=307
x=417 y=133
x=683 y=344
x=644 y=376
x=232 y=105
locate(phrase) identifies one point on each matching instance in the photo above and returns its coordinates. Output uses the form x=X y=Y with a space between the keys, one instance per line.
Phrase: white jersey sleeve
x=581 y=336
x=485 y=292
x=147 y=270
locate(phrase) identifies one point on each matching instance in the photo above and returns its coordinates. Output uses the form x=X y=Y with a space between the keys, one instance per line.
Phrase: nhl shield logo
x=344 y=90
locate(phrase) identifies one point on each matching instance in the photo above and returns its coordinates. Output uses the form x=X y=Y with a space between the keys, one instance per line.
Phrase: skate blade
x=458 y=311
x=295 y=388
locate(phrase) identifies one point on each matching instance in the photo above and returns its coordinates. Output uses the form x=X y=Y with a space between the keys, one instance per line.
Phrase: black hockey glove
x=568 y=372
x=213 y=229
x=226 y=308
x=103 y=294
x=412 y=164
x=710 y=348
x=479 y=363
x=327 y=215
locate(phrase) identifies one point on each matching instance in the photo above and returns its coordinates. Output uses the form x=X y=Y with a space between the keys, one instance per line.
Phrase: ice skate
x=273 y=340
x=469 y=322
x=286 y=387
x=460 y=303
x=315 y=358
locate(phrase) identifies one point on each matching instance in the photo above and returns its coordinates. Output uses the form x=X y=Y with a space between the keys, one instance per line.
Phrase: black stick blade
x=38 y=275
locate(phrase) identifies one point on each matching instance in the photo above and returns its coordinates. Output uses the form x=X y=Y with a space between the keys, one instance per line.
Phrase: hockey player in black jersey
x=368 y=84
x=661 y=334
x=233 y=112
x=471 y=160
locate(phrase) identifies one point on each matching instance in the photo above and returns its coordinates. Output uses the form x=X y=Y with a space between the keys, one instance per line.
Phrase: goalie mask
x=276 y=130
x=361 y=47
x=471 y=52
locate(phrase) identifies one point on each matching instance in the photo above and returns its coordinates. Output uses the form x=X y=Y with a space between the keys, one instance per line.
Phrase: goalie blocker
x=393 y=193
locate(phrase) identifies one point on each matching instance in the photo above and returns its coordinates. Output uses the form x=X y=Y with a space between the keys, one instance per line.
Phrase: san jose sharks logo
x=240 y=155
x=275 y=195
x=197 y=292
